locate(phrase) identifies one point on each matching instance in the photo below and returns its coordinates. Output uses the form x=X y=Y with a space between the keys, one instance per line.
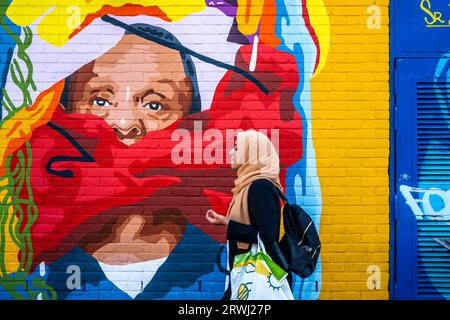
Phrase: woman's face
x=233 y=158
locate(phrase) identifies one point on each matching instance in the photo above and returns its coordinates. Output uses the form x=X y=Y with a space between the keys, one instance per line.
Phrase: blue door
x=422 y=179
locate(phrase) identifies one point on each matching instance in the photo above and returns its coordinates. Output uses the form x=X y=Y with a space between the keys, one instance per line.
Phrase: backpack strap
x=274 y=245
x=282 y=196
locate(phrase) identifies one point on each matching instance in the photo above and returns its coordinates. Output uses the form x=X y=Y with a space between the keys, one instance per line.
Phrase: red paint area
x=143 y=178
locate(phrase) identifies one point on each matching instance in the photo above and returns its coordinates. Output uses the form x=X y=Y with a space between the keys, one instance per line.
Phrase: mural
x=116 y=123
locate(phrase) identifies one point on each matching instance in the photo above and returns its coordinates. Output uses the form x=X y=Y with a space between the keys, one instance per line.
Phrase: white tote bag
x=256 y=277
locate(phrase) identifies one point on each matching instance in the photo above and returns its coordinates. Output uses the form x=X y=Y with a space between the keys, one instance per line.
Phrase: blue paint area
x=421 y=123
x=301 y=177
x=7 y=46
x=195 y=270
x=420 y=153
x=410 y=30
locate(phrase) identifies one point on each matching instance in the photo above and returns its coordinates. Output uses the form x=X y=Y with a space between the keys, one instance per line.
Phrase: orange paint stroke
x=125 y=10
x=248 y=8
x=248 y=16
x=268 y=23
x=20 y=127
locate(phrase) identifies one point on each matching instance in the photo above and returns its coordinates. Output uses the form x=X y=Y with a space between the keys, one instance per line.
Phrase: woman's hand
x=215 y=218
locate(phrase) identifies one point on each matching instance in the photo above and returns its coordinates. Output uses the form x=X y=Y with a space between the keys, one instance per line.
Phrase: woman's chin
x=235 y=166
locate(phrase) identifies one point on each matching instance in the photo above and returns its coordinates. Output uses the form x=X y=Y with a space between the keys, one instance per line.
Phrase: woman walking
x=255 y=207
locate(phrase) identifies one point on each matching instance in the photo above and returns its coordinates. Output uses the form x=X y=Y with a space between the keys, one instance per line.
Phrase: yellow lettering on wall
x=436 y=16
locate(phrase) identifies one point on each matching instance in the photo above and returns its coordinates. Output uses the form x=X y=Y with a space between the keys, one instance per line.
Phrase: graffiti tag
x=432 y=204
x=433 y=18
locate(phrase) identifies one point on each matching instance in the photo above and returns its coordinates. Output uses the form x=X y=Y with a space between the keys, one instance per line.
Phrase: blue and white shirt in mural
x=195 y=269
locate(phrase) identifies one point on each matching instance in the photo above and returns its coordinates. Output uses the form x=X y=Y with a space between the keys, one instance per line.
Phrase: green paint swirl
x=18 y=224
x=24 y=81
x=16 y=182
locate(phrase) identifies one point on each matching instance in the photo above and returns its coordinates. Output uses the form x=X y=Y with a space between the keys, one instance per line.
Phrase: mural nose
x=131 y=133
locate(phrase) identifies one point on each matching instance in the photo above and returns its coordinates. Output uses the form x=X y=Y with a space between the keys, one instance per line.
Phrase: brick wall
x=351 y=136
x=107 y=163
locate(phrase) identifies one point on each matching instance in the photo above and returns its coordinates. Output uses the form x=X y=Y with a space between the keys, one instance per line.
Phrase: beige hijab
x=258 y=159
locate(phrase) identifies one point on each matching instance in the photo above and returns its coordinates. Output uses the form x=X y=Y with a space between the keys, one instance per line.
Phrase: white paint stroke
x=421 y=203
x=254 y=56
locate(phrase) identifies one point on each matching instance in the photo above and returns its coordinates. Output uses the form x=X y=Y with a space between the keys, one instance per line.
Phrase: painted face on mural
x=136 y=87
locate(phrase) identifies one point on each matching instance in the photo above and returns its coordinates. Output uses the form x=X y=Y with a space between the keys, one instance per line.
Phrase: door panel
x=422 y=158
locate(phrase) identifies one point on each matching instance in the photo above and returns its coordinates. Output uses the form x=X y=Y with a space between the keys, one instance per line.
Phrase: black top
x=265 y=214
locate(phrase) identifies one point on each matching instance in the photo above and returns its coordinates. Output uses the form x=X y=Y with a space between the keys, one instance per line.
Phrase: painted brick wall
x=117 y=121
x=351 y=135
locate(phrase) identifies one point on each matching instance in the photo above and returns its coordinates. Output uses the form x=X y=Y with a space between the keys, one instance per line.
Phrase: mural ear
x=186 y=91
x=186 y=85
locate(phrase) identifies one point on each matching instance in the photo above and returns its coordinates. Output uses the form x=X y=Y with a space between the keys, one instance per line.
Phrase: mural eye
x=154 y=106
x=99 y=102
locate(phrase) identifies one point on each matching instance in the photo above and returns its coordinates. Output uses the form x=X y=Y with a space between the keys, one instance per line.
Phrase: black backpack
x=300 y=244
